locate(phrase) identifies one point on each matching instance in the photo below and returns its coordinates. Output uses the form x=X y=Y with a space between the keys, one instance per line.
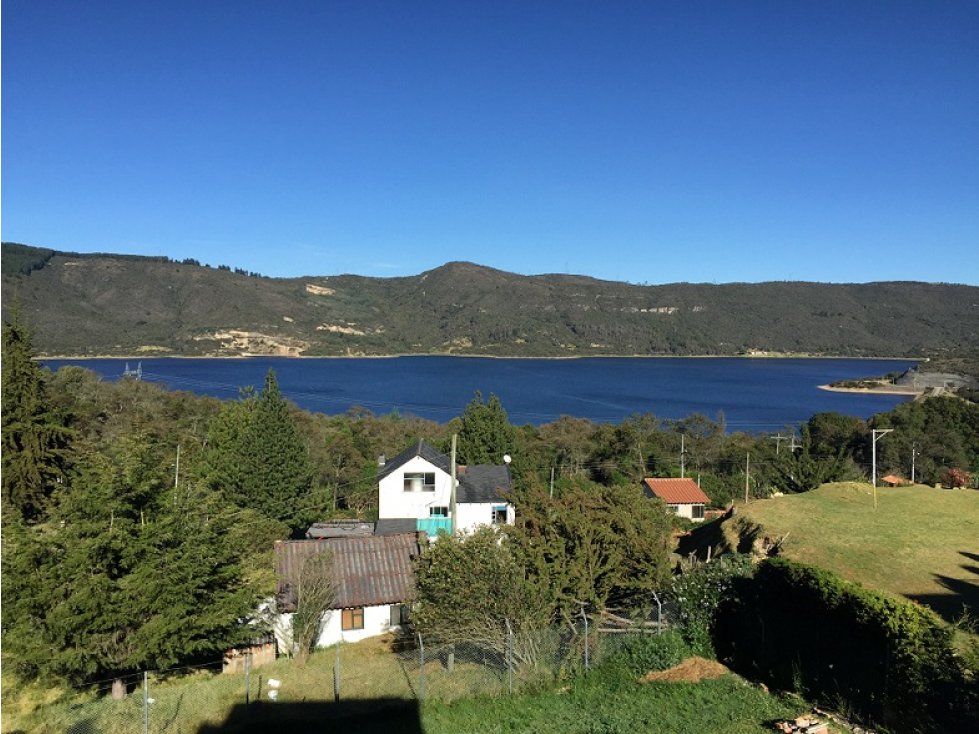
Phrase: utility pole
x=683 y=454
x=877 y=434
x=778 y=438
x=792 y=446
x=452 y=490
x=552 y=481
x=914 y=452
x=747 y=475
x=176 y=474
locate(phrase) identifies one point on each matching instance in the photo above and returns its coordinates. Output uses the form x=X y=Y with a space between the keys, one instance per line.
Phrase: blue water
x=754 y=394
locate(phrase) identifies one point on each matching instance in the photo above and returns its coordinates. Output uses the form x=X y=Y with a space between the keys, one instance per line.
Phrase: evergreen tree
x=34 y=440
x=486 y=434
x=132 y=573
x=259 y=458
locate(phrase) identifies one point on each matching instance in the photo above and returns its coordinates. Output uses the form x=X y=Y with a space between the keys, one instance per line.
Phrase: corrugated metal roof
x=676 y=491
x=367 y=570
x=339 y=529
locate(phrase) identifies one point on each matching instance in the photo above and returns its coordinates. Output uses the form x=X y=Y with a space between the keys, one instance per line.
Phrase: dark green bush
x=882 y=659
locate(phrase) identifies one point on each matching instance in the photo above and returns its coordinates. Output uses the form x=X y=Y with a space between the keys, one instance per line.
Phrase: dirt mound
x=691 y=670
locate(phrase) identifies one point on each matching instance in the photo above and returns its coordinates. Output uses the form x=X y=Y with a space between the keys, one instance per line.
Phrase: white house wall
x=377 y=621
x=687 y=511
x=394 y=502
x=474 y=514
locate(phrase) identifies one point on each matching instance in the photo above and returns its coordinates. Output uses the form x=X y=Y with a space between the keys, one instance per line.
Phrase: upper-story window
x=419 y=481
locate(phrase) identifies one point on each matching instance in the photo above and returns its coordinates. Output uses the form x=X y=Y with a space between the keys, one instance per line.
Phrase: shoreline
x=880 y=390
x=132 y=357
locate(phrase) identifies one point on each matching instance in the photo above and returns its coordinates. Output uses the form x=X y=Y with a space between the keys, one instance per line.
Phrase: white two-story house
x=415 y=487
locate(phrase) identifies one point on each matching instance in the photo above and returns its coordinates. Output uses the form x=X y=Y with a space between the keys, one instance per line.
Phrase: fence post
x=659 y=614
x=248 y=676
x=336 y=673
x=509 y=656
x=146 y=703
x=585 y=617
x=421 y=667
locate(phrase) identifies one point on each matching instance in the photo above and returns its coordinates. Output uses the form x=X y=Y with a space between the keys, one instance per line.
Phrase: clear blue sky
x=648 y=141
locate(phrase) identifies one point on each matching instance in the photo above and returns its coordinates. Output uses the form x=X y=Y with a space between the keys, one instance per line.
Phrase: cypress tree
x=486 y=433
x=132 y=574
x=34 y=440
x=276 y=471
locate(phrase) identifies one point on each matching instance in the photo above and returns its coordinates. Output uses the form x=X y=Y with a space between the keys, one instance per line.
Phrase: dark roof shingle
x=483 y=483
x=421 y=449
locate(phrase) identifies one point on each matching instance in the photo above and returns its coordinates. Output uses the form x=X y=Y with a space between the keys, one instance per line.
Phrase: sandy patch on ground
x=691 y=670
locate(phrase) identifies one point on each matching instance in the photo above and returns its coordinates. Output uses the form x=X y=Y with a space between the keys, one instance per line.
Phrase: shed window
x=698 y=512
x=419 y=481
x=499 y=515
x=399 y=615
x=352 y=619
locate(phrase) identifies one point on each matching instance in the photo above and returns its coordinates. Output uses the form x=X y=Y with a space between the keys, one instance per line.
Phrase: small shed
x=682 y=495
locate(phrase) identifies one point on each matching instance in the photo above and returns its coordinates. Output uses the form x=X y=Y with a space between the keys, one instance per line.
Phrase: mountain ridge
x=106 y=304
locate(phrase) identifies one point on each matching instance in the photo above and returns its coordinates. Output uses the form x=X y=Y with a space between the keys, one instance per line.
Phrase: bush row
x=878 y=658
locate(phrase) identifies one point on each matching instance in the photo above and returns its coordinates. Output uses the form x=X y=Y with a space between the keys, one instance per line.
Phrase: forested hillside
x=83 y=305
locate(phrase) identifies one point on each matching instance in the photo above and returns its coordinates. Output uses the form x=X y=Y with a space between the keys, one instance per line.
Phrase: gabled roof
x=483 y=483
x=478 y=483
x=366 y=570
x=675 y=491
x=421 y=449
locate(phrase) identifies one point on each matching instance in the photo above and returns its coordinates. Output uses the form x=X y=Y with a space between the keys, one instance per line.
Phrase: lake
x=754 y=394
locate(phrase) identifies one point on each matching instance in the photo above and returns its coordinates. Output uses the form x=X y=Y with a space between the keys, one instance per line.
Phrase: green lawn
x=378 y=693
x=920 y=542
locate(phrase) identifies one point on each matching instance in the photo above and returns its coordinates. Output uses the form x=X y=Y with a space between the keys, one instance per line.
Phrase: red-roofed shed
x=683 y=496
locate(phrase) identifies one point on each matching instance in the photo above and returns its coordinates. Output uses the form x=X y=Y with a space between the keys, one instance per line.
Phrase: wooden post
x=747 y=471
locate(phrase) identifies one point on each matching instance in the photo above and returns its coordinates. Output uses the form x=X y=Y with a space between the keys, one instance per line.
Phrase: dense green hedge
x=879 y=658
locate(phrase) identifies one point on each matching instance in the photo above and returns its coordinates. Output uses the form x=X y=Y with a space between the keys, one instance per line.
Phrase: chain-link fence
x=409 y=667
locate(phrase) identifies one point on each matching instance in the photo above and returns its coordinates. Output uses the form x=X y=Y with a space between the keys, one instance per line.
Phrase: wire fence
x=406 y=667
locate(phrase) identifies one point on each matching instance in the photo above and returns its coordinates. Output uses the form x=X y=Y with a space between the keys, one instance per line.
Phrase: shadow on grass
x=962 y=594
x=362 y=716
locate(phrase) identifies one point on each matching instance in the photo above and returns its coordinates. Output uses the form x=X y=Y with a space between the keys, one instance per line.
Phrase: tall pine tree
x=259 y=459
x=486 y=434
x=132 y=574
x=34 y=440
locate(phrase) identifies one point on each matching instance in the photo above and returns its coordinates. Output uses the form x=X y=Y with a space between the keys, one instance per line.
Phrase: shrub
x=639 y=653
x=697 y=595
x=884 y=659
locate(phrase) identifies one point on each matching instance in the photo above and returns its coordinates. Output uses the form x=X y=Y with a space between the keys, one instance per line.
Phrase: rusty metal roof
x=676 y=491
x=366 y=570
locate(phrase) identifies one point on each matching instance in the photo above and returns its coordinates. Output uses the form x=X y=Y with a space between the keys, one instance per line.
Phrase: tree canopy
x=34 y=440
x=486 y=435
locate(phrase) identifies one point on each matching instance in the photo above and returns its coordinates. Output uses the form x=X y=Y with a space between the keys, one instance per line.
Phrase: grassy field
x=379 y=693
x=920 y=542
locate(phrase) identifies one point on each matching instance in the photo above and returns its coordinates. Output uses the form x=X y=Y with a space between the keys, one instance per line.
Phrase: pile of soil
x=691 y=670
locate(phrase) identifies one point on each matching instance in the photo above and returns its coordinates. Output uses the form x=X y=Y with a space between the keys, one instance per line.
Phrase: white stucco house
x=416 y=486
x=683 y=496
x=373 y=580
x=372 y=565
